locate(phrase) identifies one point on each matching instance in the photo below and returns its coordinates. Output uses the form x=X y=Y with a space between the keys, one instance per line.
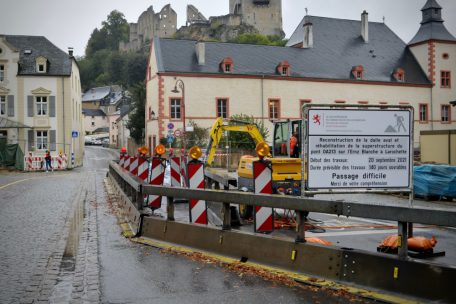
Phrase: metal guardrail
x=378 y=270
x=404 y=215
x=436 y=216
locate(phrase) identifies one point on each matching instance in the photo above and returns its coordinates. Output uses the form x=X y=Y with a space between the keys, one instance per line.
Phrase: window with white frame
x=175 y=108
x=42 y=140
x=222 y=108
x=41 y=105
x=2 y=72
x=274 y=108
x=446 y=116
x=423 y=112
x=2 y=105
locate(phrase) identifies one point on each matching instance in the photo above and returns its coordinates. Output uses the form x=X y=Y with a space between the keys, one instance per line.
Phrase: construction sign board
x=359 y=148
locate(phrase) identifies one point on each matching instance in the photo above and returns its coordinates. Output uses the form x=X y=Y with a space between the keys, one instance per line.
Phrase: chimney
x=70 y=51
x=365 y=26
x=308 y=34
x=200 y=49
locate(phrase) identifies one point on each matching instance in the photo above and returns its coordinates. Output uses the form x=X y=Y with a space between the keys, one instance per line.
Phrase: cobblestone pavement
x=61 y=243
x=43 y=216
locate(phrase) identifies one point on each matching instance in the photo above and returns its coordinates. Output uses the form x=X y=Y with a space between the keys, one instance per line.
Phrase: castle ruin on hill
x=262 y=16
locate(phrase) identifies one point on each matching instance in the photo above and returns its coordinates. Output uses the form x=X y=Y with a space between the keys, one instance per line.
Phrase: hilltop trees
x=103 y=64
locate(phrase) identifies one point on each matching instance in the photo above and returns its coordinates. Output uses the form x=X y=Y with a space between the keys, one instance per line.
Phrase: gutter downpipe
x=432 y=107
x=262 y=99
x=63 y=117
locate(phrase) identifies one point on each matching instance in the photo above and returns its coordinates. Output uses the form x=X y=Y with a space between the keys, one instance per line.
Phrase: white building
x=327 y=61
x=41 y=92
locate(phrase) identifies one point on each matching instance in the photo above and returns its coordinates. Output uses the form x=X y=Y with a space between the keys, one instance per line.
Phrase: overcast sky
x=70 y=23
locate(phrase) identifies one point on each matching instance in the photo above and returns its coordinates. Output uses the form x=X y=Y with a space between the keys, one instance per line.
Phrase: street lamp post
x=180 y=84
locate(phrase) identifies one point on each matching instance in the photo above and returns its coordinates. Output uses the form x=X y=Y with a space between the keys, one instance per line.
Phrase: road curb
x=300 y=278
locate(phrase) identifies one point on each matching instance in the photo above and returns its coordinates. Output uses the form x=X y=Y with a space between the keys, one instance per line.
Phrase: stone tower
x=265 y=15
x=435 y=49
x=150 y=24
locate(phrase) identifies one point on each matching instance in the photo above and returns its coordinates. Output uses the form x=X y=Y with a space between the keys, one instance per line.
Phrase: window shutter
x=10 y=105
x=31 y=139
x=52 y=137
x=51 y=106
x=30 y=106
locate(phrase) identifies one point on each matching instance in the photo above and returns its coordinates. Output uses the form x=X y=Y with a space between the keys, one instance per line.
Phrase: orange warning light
x=195 y=152
x=143 y=150
x=262 y=149
x=160 y=149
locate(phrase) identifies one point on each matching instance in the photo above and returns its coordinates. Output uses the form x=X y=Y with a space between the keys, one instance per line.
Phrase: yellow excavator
x=286 y=171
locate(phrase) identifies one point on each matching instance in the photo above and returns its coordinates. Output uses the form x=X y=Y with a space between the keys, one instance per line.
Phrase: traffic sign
x=346 y=149
x=177 y=133
x=74 y=134
x=170 y=139
x=170 y=126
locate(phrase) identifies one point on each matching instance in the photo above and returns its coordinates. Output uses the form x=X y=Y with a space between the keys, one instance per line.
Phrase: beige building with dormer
x=326 y=61
x=40 y=97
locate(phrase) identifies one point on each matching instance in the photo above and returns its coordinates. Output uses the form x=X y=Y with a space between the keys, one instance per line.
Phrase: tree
x=136 y=118
x=249 y=38
x=113 y=30
x=242 y=140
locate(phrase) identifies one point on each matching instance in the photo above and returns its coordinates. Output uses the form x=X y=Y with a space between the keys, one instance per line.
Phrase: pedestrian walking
x=47 y=158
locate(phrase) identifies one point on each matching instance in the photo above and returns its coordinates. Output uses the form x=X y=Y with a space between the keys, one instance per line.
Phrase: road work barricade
x=134 y=165
x=264 y=216
x=175 y=171
x=143 y=169
x=157 y=176
x=197 y=207
x=37 y=163
x=126 y=164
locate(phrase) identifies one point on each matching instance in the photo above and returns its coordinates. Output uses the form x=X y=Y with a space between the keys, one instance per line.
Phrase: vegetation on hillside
x=103 y=64
x=260 y=39
x=136 y=118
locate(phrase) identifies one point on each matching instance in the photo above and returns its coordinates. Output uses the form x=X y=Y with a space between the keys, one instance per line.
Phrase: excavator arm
x=216 y=134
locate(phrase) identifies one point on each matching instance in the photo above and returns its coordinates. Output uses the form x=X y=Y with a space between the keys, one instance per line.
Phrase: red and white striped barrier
x=37 y=163
x=29 y=163
x=183 y=170
x=143 y=168
x=264 y=216
x=157 y=176
x=134 y=165
x=121 y=160
x=61 y=162
x=126 y=164
x=175 y=171
x=197 y=208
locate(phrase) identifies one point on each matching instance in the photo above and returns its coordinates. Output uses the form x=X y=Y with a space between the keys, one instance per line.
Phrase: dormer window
x=227 y=65
x=284 y=68
x=41 y=64
x=358 y=72
x=399 y=75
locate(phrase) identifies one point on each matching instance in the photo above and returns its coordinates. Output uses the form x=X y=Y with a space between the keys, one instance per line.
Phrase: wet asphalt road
x=37 y=218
